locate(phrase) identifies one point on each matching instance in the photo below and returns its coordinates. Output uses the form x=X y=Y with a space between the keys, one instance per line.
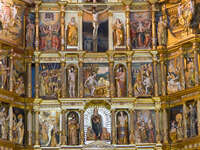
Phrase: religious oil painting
x=122 y=127
x=145 y=126
x=4 y=121
x=19 y=75
x=95 y=29
x=97 y=124
x=73 y=128
x=96 y=80
x=191 y=118
x=4 y=70
x=141 y=30
x=174 y=75
x=176 y=123
x=11 y=22
x=119 y=30
x=18 y=129
x=72 y=80
x=120 y=80
x=142 y=79
x=49 y=128
x=50 y=80
x=72 y=30
x=189 y=70
x=49 y=31
x=30 y=31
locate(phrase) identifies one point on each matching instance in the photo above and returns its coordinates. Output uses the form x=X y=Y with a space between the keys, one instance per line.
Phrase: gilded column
x=113 y=127
x=184 y=120
x=153 y=26
x=165 y=125
x=131 y=136
x=182 y=69
x=157 y=109
x=63 y=79
x=62 y=24
x=110 y=30
x=163 y=75
x=36 y=79
x=29 y=86
x=112 y=80
x=81 y=88
x=11 y=123
x=128 y=36
x=80 y=30
x=37 y=6
x=198 y=115
x=37 y=127
x=82 y=127
x=11 y=71
x=129 y=67
x=196 y=63
x=155 y=74
x=29 y=127
x=64 y=138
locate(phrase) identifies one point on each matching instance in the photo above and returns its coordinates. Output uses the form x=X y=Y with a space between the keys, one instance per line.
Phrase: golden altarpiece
x=99 y=74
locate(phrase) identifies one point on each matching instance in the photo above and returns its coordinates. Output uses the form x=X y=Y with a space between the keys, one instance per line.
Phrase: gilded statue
x=118 y=33
x=72 y=33
x=162 y=32
x=73 y=130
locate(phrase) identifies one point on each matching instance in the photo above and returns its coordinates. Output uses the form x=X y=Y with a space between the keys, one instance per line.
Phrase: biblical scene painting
x=176 y=123
x=72 y=30
x=142 y=79
x=19 y=75
x=4 y=121
x=72 y=81
x=95 y=29
x=174 y=75
x=189 y=71
x=30 y=31
x=73 y=128
x=49 y=31
x=96 y=80
x=122 y=128
x=191 y=118
x=50 y=80
x=120 y=80
x=49 y=128
x=119 y=30
x=11 y=22
x=145 y=126
x=97 y=124
x=18 y=126
x=4 y=70
x=141 y=30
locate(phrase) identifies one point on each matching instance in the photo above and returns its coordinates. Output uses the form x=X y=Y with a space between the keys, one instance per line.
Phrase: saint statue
x=118 y=33
x=72 y=33
x=162 y=32
x=30 y=33
x=20 y=129
x=72 y=81
x=73 y=127
x=96 y=121
x=192 y=120
x=120 y=81
x=122 y=128
x=91 y=83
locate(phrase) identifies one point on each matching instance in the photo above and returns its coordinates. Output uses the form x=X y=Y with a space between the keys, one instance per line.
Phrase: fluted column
x=198 y=115
x=80 y=30
x=36 y=79
x=29 y=82
x=63 y=136
x=185 y=120
x=196 y=63
x=165 y=125
x=37 y=5
x=131 y=134
x=81 y=88
x=62 y=24
x=82 y=127
x=153 y=26
x=155 y=74
x=63 y=79
x=11 y=71
x=182 y=69
x=110 y=30
x=37 y=142
x=29 y=127
x=113 y=127
x=129 y=67
x=112 y=78
x=128 y=36
x=11 y=123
